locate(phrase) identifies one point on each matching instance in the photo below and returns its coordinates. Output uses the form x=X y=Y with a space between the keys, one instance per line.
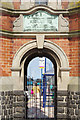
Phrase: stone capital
x=15 y=69
x=65 y=69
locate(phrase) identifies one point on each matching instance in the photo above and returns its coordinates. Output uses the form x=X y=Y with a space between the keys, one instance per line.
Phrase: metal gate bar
x=38 y=108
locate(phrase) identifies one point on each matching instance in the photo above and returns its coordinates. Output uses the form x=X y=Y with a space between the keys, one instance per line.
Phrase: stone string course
x=12 y=105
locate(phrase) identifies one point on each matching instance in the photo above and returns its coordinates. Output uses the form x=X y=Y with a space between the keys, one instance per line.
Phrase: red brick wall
x=74 y=22
x=74 y=60
x=5 y=56
x=6 y=23
x=9 y=47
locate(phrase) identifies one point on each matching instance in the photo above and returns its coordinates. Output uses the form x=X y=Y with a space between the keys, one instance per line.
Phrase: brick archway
x=57 y=53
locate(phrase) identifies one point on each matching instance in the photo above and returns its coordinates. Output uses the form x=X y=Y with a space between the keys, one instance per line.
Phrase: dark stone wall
x=74 y=105
x=18 y=105
x=62 y=97
x=13 y=105
x=6 y=107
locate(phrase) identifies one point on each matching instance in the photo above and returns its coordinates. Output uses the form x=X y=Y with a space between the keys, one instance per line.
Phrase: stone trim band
x=46 y=34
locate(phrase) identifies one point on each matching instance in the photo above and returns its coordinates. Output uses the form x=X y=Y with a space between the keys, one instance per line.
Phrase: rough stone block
x=76 y=112
x=72 y=93
x=20 y=109
x=19 y=104
x=75 y=97
x=62 y=116
x=9 y=106
x=72 y=101
x=3 y=98
x=0 y=97
x=60 y=104
x=20 y=98
x=73 y=106
x=3 y=106
x=78 y=93
x=2 y=93
x=6 y=93
x=14 y=99
x=18 y=93
x=78 y=106
x=5 y=112
x=77 y=101
x=70 y=97
x=60 y=98
x=71 y=111
x=19 y=115
x=0 y=111
x=60 y=110
x=62 y=93
x=74 y=118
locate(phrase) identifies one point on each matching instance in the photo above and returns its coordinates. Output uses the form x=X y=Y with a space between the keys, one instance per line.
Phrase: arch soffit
x=47 y=44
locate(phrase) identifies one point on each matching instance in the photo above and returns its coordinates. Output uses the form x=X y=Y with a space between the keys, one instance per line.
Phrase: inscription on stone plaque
x=40 y=21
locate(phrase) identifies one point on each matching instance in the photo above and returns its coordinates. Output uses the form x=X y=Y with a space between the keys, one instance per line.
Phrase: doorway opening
x=40 y=87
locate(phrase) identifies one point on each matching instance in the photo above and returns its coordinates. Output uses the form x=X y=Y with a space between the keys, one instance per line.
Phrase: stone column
x=64 y=81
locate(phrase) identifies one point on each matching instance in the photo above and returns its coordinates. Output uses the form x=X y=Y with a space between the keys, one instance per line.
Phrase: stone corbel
x=63 y=24
x=16 y=71
x=18 y=24
x=40 y=41
x=65 y=69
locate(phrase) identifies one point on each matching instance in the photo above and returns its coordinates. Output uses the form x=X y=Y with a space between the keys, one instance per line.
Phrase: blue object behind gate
x=44 y=90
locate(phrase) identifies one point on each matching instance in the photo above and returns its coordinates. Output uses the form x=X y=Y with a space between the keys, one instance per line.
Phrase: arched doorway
x=41 y=109
x=50 y=50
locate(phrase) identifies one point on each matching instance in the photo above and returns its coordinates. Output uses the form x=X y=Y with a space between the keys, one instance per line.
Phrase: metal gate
x=41 y=102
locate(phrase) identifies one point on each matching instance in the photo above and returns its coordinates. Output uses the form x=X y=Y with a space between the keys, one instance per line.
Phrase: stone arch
x=47 y=44
x=59 y=56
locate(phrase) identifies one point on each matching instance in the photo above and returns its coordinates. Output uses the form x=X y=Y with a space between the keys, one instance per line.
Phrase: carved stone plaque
x=40 y=21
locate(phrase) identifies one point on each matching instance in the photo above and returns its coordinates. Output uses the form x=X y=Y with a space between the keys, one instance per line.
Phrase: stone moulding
x=33 y=34
x=65 y=69
x=13 y=12
x=15 y=69
x=60 y=58
x=32 y=10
